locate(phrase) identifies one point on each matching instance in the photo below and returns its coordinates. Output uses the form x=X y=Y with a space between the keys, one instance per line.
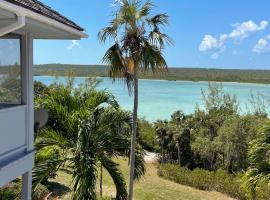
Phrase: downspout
x=14 y=26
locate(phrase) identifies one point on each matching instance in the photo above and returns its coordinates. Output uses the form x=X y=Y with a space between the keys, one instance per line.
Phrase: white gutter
x=13 y=27
x=46 y=20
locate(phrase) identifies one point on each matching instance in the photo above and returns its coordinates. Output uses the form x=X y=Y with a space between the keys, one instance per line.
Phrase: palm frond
x=118 y=67
x=158 y=20
x=44 y=169
x=49 y=137
x=106 y=33
x=85 y=165
x=145 y=9
x=117 y=177
x=151 y=58
x=139 y=170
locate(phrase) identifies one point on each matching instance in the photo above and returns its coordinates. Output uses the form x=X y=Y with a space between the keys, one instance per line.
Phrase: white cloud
x=262 y=46
x=211 y=43
x=208 y=43
x=242 y=30
x=74 y=43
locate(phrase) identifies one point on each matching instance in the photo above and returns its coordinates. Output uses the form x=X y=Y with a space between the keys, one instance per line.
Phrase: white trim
x=16 y=167
x=12 y=108
x=14 y=26
x=28 y=13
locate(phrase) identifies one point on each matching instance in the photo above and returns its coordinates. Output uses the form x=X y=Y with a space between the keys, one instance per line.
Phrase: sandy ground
x=150 y=157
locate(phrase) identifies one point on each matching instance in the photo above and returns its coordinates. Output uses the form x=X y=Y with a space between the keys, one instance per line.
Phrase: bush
x=11 y=192
x=147 y=136
x=48 y=153
x=219 y=181
x=40 y=192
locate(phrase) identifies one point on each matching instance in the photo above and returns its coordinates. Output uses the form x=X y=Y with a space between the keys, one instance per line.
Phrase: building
x=22 y=21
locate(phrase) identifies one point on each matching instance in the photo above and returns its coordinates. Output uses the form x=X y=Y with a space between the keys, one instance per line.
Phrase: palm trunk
x=162 y=153
x=133 y=138
x=101 y=181
x=179 y=156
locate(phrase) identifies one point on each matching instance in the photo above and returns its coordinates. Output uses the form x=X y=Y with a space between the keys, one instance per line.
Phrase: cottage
x=22 y=21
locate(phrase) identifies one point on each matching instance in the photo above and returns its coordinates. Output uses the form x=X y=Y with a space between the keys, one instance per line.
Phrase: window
x=10 y=72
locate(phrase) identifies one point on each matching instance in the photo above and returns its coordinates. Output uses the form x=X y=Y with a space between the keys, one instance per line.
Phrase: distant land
x=174 y=74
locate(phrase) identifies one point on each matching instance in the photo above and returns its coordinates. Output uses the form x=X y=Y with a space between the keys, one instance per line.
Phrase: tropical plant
x=138 y=45
x=161 y=128
x=259 y=157
x=90 y=129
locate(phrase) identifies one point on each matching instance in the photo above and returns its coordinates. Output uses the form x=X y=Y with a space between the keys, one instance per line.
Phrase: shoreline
x=154 y=79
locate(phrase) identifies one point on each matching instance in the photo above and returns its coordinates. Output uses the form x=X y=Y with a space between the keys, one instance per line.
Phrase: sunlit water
x=158 y=99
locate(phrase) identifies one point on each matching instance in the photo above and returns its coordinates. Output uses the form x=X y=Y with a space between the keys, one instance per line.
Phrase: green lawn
x=150 y=187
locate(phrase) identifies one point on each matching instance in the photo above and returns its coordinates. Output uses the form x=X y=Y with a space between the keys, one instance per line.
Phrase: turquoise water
x=159 y=99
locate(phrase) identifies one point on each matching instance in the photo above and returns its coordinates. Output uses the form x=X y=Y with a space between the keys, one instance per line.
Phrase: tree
x=138 y=45
x=161 y=131
x=259 y=157
x=90 y=129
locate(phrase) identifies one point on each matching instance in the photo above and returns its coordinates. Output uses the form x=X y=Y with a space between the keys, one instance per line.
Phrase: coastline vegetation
x=216 y=148
x=213 y=149
x=173 y=74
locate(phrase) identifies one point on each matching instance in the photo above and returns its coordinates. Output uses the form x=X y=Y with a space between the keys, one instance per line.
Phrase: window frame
x=4 y=106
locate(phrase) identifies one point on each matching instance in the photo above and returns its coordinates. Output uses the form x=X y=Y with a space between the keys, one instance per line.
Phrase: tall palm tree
x=90 y=129
x=138 y=45
x=177 y=139
x=161 y=128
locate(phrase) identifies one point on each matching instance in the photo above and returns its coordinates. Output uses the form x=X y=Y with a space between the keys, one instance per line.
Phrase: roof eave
x=43 y=19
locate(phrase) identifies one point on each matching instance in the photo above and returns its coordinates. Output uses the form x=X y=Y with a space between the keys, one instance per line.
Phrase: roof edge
x=41 y=18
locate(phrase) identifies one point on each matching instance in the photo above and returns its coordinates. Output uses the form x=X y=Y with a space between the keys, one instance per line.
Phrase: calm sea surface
x=159 y=99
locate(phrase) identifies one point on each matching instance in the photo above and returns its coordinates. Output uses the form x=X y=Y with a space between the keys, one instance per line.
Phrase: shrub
x=40 y=192
x=219 y=181
x=147 y=136
x=48 y=153
x=11 y=191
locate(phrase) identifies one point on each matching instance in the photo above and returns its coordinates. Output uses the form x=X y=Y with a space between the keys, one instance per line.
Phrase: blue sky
x=207 y=33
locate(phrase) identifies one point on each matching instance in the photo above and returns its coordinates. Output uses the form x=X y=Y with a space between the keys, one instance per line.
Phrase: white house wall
x=13 y=131
x=17 y=128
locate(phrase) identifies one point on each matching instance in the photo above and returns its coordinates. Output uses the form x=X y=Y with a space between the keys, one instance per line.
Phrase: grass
x=150 y=187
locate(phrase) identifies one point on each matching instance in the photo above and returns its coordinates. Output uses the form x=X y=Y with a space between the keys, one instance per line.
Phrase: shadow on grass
x=58 y=188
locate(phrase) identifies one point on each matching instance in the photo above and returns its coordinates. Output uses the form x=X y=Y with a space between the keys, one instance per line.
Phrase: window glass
x=10 y=72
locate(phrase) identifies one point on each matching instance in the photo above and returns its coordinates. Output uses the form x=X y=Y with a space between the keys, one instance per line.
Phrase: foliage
x=45 y=155
x=173 y=74
x=10 y=192
x=233 y=139
x=40 y=89
x=258 y=174
x=147 y=136
x=86 y=127
x=40 y=193
x=205 y=180
x=138 y=43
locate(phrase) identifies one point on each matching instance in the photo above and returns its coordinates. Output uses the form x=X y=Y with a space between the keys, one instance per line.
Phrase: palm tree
x=259 y=155
x=177 y=140
x=138 y=45
x=90 y=129
x=161 y=131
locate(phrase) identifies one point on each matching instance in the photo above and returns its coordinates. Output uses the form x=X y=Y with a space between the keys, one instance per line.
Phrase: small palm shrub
x=219 y=181
x=40 y=192
x=11 y=191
